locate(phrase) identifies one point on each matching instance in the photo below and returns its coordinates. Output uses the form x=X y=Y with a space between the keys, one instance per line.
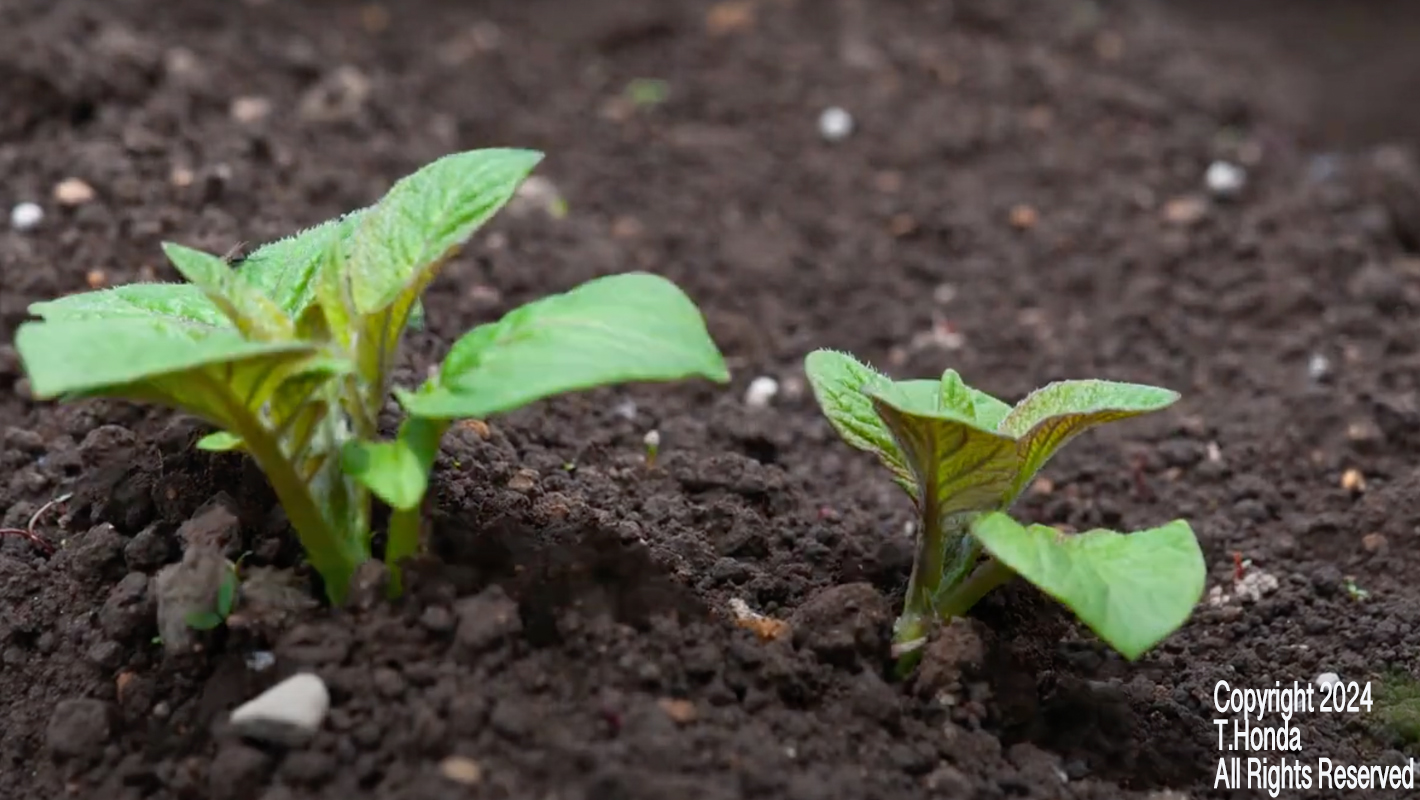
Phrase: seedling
x=291 y=355
x=964 y=456
x=652 y=440
x=206 y=620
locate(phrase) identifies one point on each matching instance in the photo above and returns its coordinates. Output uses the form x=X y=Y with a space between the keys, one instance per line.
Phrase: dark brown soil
x=1287 y=318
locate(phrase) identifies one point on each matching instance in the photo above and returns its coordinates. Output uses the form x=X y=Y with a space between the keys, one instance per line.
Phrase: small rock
x=78 y=728
x=185 y=588
x=766 y=628
x=485 y=620
x=260 y=660
x=1185 y=211
x=682 y=711
x=339 y=96
x=1255 y=585
x=1374 y=543
x=523 y=481
x=1224 y=179
x=761 y=391
x=835 y=124
x=730 y=16
x=1326 y=679
x=237 y=772
x=289 y=713
x=1318 y=367
x=626 y=409
x=250 y=110
x=841 y=622
x=461 y=770
x=1024 y=217
x=26 y=216
x=1353 y=481
x=73 y=192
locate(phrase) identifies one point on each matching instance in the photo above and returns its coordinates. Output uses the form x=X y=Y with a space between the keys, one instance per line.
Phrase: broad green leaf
x=841 y=384
x=172 y=306
x=285 y=270
x=988 y=410
x=1132 y=590
x=97 y=354
x=956 y=465
x=427 y=216
x=256 y=316
x=398 y=471
x=219 y=442
x=203 y=620
x=1053 y=415
x=617 y=329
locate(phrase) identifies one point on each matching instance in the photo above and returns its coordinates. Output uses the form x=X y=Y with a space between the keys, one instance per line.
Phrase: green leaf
x=841 y=384
x=426 y=217
x=252 y=313
x=97 y=354
x=178 y=307
x=617 y=329
x=957 y=465
x=1051 y=416
x=203 y=620
x=285 y=270
x=397 y=472
x=1132 y=590
x=227 y=592
x=219 y=442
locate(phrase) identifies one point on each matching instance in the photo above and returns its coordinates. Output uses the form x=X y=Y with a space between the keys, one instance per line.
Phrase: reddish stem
x=32 y=536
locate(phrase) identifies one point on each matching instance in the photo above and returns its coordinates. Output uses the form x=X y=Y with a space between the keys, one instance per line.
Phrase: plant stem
x=989 y=575
x=405 y=527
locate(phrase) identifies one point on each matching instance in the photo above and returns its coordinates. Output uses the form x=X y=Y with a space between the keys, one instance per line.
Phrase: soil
x=1021 y=199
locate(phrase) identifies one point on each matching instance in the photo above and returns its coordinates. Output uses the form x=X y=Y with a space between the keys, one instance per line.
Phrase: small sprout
x=1354 y=591
x=569 y=466
x=28 y=532
x=645 y=92
x=964 y=457
x=835 y=124
x=207 y=619
x=652 y=440
x=291 y=355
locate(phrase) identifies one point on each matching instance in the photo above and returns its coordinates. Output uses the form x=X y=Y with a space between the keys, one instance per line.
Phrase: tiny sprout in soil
x=964 y=456
x=290 y=356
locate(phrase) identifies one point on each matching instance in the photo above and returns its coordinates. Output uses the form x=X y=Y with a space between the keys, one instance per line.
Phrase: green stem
x=334 y=553
x=404 y=534
x=989 y=575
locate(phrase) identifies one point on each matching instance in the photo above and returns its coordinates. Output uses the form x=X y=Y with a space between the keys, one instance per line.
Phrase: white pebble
x=26 y=216
x=761 y=391
x=1318 y=366
x=626 y=409
x=835 y=124
x=260 y=660
x=288 y=713
x=1326 y=679
x=1224 y=179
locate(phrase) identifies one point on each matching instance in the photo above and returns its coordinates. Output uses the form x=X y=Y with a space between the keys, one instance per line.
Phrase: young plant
x=291 y=355
x=964 y=457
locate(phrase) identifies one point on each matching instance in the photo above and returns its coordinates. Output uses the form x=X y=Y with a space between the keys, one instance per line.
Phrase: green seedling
x=1354 y=590
x=964 y=457
x=643 y=92
x=206 y=620
x=291 y=355
x=652 y=440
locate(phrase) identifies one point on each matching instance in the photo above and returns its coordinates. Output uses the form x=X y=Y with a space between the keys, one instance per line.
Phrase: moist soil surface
x=1021 y=199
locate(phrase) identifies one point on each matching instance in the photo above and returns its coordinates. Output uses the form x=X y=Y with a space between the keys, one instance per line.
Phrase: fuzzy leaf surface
x=617 y=329
x=285 y=270
x=842 y=385
x=1132 y=590
x=427 y=216
x=1051 y=416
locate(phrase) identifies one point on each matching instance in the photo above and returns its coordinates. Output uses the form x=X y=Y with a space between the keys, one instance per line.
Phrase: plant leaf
x=425 y=217
x=178 y=307
x=219 y=442
x=227 y=592
x=957 y=465
x=285 y=270
x=250 y=311
x=397 y=471
x=841 y=385
x=617 y=329
x=100 y=354
x=203 y=620
x=1132 y=590
x=1053 y=415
